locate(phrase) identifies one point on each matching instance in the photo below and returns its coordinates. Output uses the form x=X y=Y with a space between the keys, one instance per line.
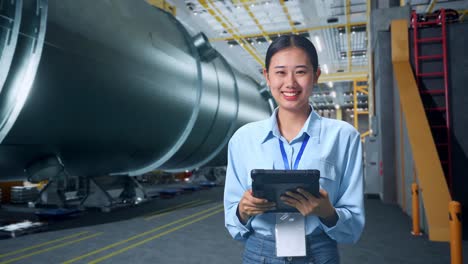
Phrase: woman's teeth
x=290 y=94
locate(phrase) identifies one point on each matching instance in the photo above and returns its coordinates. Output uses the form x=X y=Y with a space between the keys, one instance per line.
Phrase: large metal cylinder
x=122 y=93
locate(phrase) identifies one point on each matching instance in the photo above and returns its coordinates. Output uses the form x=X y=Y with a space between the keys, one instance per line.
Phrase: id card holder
x=290 y=235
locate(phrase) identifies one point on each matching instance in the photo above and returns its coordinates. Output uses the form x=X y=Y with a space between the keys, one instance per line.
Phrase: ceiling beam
x=302 y=30
x=217 y=14
x=430 y=7
x=286 y=12
x=348 y=32
x=247 y=8
x=342 y=76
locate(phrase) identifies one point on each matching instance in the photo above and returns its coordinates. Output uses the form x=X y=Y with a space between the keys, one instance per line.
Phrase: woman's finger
x=296 y=196
x=306 y=194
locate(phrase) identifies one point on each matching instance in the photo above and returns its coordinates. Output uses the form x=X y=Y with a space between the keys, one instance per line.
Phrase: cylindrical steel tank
x=121 y=88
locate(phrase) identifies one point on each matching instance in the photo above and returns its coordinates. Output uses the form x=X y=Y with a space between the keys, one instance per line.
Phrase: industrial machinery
x=83 y=94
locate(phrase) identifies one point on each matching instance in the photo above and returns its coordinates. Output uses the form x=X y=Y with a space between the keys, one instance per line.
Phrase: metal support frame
x=163 y=5
x=363 y=89
x=301 y=30
x=286 y=12
x=348 y=33
x=251 y=14
x=218 y=15
x=107 y=197
x=431 y=6
x=342 y=76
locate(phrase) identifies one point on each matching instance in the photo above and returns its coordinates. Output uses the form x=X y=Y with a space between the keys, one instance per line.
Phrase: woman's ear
x=317 y=75
x=265 y=74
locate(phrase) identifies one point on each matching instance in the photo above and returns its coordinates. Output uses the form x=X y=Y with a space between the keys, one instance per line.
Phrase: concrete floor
x=189 y=228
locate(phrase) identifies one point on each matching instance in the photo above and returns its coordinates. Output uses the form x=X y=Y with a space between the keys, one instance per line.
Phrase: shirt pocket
x=328 y=180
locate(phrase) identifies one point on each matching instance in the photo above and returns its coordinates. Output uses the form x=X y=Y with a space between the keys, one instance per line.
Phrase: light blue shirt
x=334 y=148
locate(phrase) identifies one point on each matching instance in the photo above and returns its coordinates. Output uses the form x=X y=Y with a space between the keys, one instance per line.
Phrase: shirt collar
x=312 y=126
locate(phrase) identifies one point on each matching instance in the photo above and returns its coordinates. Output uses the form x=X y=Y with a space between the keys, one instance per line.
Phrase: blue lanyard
x=299 y=155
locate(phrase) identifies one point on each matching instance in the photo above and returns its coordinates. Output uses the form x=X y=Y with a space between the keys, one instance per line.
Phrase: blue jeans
x=321 y=249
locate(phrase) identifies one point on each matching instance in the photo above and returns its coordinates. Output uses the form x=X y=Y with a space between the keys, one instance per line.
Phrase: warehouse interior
x=115 y=117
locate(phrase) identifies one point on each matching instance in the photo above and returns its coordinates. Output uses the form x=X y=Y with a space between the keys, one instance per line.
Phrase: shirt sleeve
x=350 y=203
x=234 y=188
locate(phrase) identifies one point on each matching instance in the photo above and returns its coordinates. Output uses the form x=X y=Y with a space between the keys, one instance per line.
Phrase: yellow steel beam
x=247 y=8
x=348 y=32
x=302 y=30
x=221 y=19
x=357 y=88
x=370 y=61
x=164 y=5
x=431 y=6
x=435 y=194
x=342 y=76
x=286 y=12
x=365 y=134
x=362 y=90
x=463 y=14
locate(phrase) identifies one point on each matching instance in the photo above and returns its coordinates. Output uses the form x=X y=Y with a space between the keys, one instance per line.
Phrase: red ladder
x=438 y=115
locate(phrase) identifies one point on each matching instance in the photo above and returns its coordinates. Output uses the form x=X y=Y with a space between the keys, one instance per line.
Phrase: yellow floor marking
x=153 y=237
x=139 y=235
x=43 y=244
x=193 y=204
x=171 y=208
x=49 y=249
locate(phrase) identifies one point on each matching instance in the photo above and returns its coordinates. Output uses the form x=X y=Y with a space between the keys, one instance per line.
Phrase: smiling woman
x=295 y=134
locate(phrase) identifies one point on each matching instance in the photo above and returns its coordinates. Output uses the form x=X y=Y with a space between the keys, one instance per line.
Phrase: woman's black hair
x=287 y=41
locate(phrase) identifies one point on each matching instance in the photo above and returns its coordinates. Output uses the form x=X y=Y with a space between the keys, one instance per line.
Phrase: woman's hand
x=307 y=204
x=250 y=206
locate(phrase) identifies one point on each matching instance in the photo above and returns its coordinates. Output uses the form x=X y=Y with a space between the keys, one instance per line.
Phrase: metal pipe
x=122 y=95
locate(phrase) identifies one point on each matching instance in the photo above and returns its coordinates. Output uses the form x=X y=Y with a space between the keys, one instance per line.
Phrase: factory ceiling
x=241 y=30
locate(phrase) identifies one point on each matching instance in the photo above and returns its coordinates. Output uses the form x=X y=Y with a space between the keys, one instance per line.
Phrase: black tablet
x=271 y=184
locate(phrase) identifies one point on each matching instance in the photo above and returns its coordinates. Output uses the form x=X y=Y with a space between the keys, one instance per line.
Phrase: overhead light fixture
x=317 y=42
x=330 y=84
x=325 y=68
x=333 y=94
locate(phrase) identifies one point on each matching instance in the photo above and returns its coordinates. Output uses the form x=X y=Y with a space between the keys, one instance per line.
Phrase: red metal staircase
x=431 y=71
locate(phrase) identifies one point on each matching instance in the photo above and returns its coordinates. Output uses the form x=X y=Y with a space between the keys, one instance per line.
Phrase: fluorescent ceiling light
x=325 y=68
x=317 y=42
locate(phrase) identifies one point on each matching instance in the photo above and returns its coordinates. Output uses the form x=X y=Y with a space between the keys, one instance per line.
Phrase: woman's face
x=291 y=77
